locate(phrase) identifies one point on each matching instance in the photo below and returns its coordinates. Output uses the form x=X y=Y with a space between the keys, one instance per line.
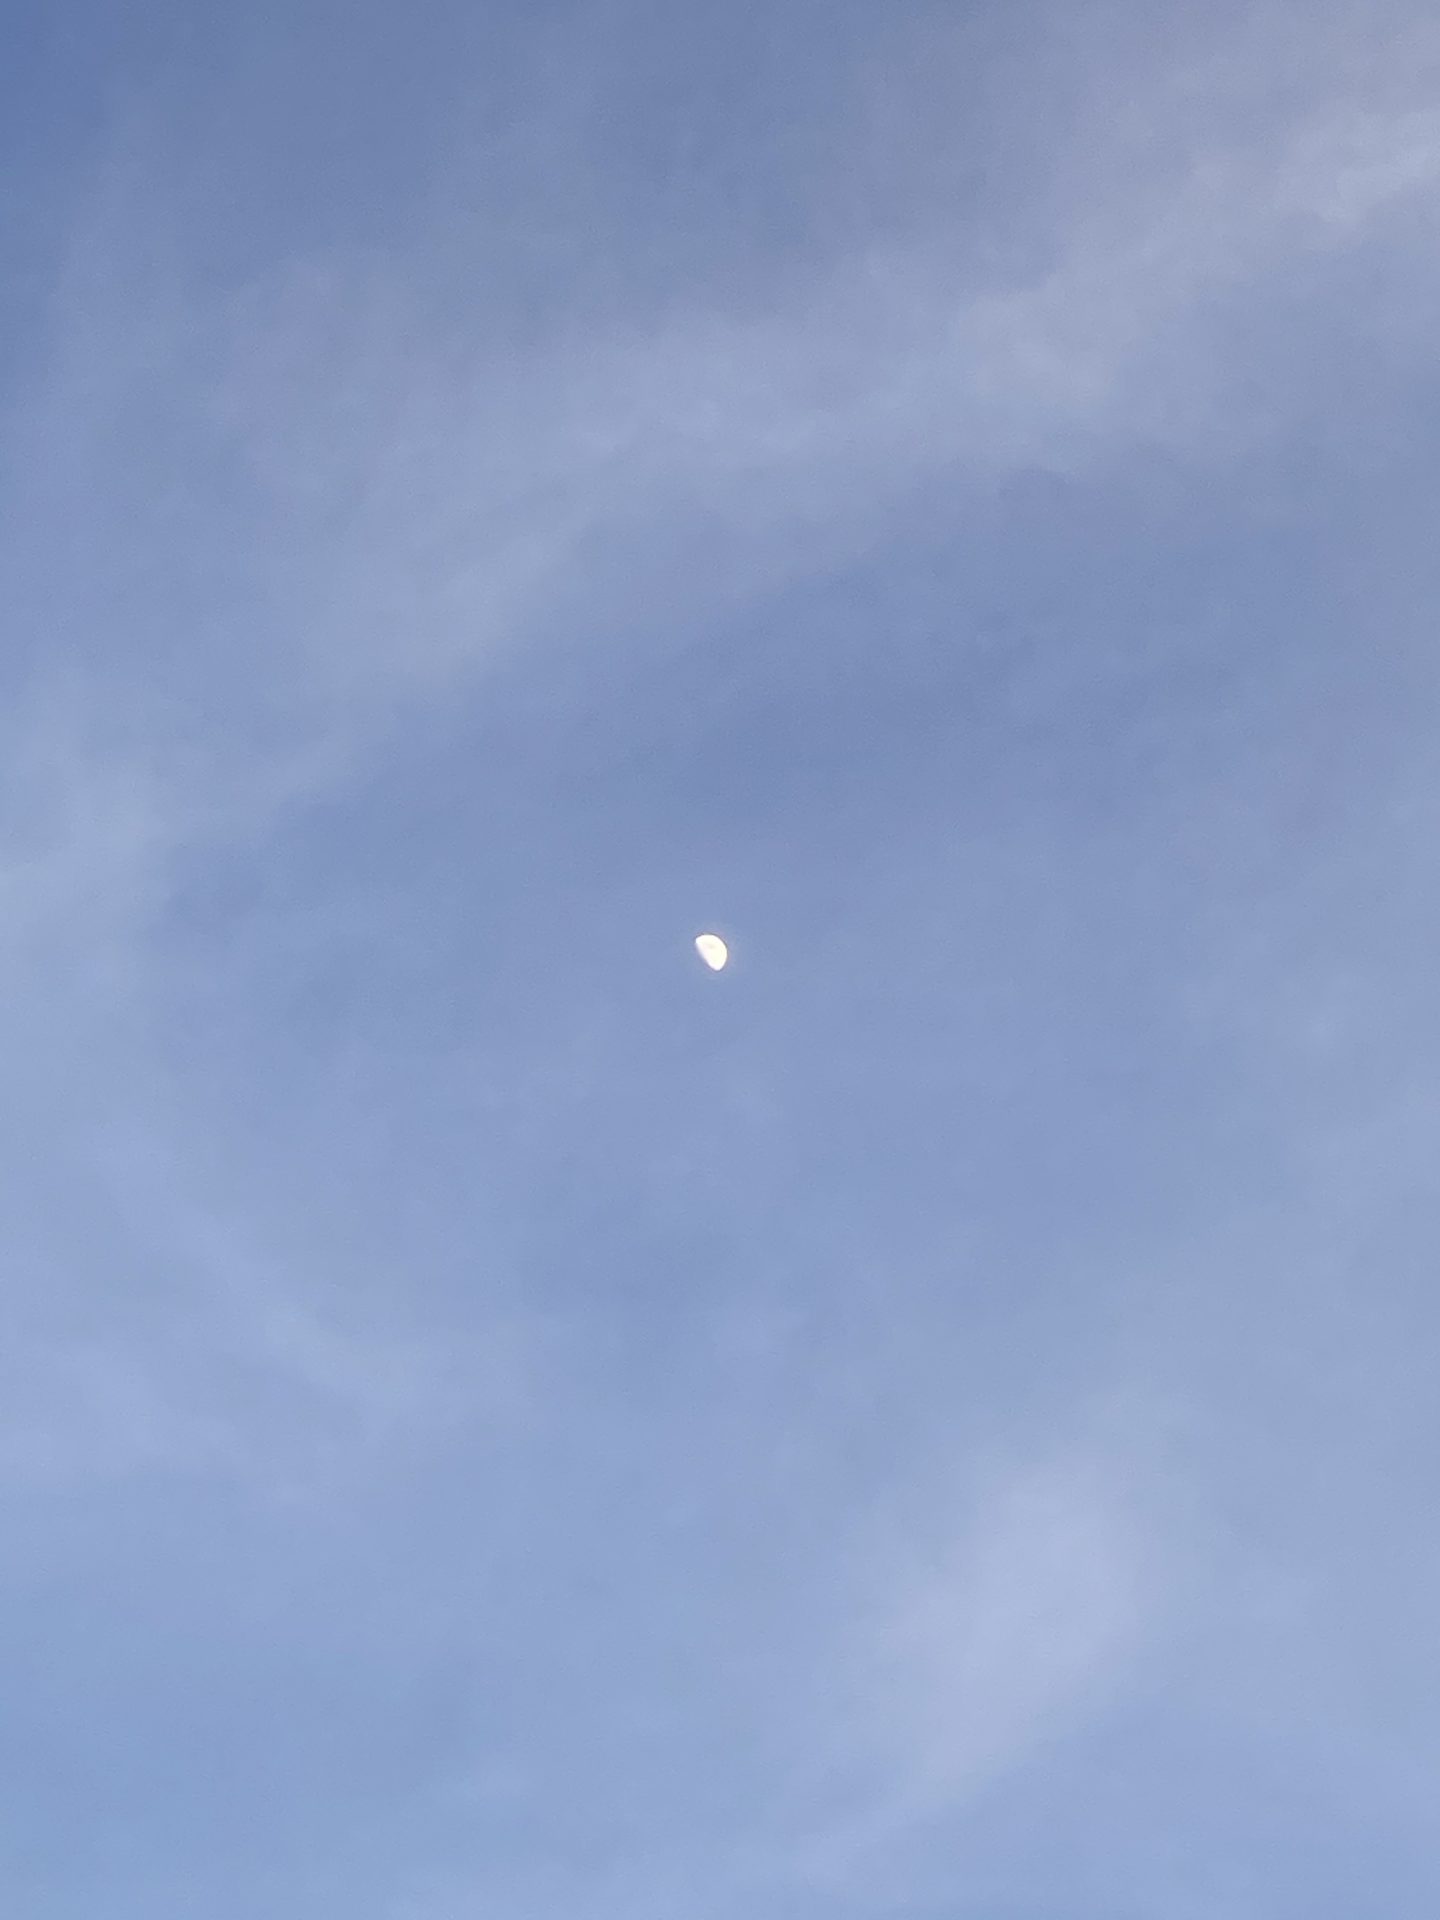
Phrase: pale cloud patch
x=979 y=1648
x=403 y=504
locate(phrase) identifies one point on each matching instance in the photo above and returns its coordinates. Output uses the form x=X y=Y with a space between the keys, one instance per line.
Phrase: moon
x=712 y=950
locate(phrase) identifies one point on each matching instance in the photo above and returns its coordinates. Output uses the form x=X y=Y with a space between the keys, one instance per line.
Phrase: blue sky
x=937 y=1422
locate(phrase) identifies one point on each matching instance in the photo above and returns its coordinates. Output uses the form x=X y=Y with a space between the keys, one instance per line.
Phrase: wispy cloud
x=1019 y=1627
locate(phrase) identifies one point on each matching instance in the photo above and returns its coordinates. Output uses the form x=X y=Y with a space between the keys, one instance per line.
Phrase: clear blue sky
x=939 y=1421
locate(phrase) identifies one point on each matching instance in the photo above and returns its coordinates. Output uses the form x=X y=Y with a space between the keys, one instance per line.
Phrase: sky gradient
x=937 y=1422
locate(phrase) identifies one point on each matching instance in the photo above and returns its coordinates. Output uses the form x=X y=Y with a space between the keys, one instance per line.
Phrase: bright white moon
x=712 y=950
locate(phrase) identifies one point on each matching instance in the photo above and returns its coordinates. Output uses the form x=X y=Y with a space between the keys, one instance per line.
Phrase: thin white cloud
x=411 y=505
x=980 y=1648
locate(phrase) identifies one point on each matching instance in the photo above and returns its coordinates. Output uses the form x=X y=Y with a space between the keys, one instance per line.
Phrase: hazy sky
x=938 y=1422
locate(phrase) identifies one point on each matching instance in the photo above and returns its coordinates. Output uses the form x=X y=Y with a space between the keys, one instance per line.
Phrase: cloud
x=476 y=502
x=394 y=504
x=982 y=1647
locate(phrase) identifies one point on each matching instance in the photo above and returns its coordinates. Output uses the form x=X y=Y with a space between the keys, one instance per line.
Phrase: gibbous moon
x=712 y=950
